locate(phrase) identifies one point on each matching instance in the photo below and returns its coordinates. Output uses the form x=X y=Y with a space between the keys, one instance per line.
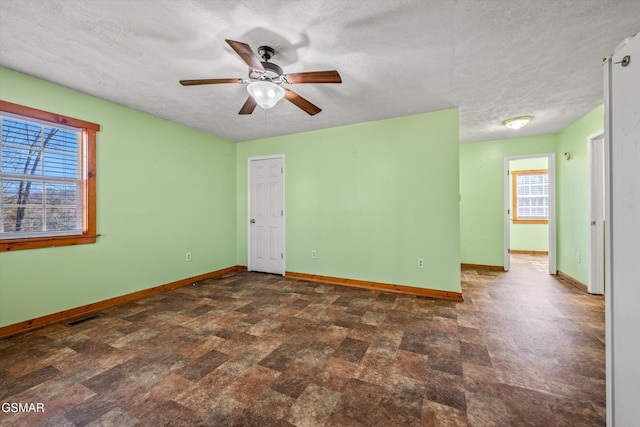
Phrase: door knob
x=252 y=221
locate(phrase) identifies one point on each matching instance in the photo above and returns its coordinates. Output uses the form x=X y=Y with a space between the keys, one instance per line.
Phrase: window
x=530 y=196
x=47 y=179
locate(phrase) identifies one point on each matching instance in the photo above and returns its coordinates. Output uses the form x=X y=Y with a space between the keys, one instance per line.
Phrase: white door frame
x=284 y=252
x=551 y=166
x=595 y=281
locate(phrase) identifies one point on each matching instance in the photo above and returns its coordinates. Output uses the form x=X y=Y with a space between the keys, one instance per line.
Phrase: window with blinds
x=530 y=196
x=47 y=179
x=40 y=179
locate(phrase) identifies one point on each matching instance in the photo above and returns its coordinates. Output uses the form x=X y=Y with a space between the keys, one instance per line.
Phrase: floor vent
x=79 y=320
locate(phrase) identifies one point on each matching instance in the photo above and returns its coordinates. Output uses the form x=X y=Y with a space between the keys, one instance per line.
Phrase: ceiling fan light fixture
x=266 y=93
x=516 y=123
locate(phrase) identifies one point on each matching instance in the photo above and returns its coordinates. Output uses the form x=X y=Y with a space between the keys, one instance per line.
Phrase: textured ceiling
x=492 y=59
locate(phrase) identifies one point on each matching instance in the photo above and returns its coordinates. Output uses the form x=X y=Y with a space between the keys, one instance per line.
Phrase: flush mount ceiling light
x=516 y=123
x=266 y=93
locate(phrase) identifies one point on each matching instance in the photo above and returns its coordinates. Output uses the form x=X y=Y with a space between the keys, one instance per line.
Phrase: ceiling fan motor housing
x=272 y=72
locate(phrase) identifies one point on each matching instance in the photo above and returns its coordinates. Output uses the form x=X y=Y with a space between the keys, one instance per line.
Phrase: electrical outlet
x=314 y=254
x=188 y=256
x=578 y=257
x=420 y=262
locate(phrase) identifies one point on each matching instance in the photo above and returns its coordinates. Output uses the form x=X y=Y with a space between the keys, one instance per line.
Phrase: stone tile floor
x=250 y=349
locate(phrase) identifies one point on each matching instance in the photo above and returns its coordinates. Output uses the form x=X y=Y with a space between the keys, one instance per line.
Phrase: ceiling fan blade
x=247 y=55
x=208 y=81
x=300 y=102
x=249 y=106
x=329 y=76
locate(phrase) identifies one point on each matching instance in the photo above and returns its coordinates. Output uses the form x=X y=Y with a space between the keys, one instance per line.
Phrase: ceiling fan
x=266 y=79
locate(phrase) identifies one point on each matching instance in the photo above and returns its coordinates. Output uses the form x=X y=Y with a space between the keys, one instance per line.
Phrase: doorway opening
x=530 y=211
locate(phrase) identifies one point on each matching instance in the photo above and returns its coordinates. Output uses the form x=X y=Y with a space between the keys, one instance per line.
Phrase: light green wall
x=482 y=194
x=163 y=190
x=527 y=237
x=370 y=198
x=573 y=194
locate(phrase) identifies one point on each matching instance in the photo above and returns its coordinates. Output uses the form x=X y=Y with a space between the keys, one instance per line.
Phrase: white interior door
x=595 y=281
x=622 y=233
x=266 y=214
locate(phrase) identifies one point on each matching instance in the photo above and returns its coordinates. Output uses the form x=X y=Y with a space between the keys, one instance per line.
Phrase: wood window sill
x=46 y=242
